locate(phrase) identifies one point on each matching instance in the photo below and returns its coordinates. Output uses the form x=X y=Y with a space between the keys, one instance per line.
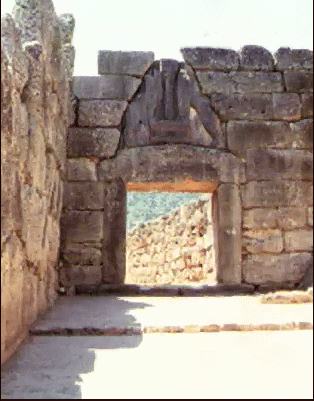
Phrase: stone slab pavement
x=141 y=313
x=225 y=365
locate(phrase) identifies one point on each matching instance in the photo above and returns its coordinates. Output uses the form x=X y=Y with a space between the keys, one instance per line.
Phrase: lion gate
x=236 y=124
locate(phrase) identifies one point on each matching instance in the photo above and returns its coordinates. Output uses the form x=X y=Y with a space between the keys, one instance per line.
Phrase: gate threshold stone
x=166 y=290
x=122 y=315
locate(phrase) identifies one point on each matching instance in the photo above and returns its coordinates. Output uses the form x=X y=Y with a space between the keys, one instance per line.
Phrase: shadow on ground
x=50 y=366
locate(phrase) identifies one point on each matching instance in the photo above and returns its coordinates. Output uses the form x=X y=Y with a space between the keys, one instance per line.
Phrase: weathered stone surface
x=256 y=58
x=270 y=164
x=299 y=81
x=73 y=275
x=172 y=163
x=310 y=216
x=299 y=240
x=82 y=254
x=101 y=113
x=277 y=193
x=128 y=63
x=307 y=281
x=240 y=82
x=81 y=169
x=271 y=269
x=227 y=233
x=283 y=217
x=243 y=107
x=97 y=142
x=294 y=59
x=82 y=226
x=287 y=297
x=66 y=25
x=303 y=129
x=260 y=218
x=170 y=109
x=290 y=218
x=35 y=93
x=84 y=195
x=114 y=243
x=115 y=87
x=210 y=58
x=278 y=106
x=286 y=106
x=244 y=135
x=307 y=105
x=259 y=241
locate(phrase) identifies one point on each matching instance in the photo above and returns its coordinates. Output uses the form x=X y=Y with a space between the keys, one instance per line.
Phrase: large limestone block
x=283 y=217
x=82 y=226
x=310 y=216
x=12 y=281
x=79 y=275
x=256 y=58
x=82 y=254
x=254 y=106
x=307 y=105
x=210 y=58
x=113 y=87
x=101 y=113
x=271 y=164
x=276 y=269
x=134 y=63
x=299 y=81
x=227 y=217
x=34 y=209
x=299 y=240
x=260 y=218
x=277 y=193
x=244 y=135
x=294 y=59
x=84 y=195
x=243 y=107
x=286 y=106
x=98 y=142
x=114 y=243
x=304 y=127
x=172 y=164
x=81 y=169
x=240 y=82
x=31 y=297
x=259 y=241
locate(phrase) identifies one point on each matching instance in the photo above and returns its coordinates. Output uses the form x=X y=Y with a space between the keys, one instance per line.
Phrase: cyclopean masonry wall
x=36 y=67
x=176 y=248
x=237 y=124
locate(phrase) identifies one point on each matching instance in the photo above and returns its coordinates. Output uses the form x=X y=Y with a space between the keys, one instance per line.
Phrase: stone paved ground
x=186 y=366
x=104 y=312
x=257 y=364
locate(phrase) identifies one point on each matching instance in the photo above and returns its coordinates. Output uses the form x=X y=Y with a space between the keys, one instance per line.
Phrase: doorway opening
x=169 y=238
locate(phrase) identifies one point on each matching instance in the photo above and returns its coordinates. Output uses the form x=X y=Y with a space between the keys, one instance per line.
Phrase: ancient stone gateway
x=175 y=167
x=234 y=124
x=237 y=124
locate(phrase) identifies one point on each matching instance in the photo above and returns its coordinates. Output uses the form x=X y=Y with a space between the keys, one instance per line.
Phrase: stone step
x=210 y=328
x=121 y=315
x=166 y=290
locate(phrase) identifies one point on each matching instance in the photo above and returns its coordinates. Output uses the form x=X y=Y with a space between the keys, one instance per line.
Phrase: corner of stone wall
x=36 y=64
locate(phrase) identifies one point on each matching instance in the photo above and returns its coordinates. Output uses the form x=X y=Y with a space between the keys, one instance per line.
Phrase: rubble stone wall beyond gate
x=36 y=69
x=242 y=122
x=187 y=254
